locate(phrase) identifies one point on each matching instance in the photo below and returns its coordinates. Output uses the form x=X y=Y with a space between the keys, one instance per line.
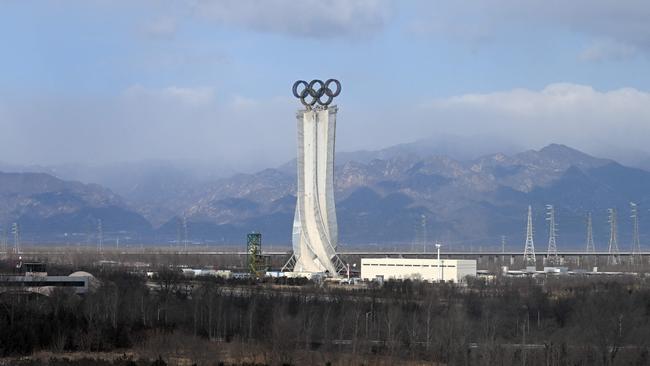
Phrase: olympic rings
x=313 y=92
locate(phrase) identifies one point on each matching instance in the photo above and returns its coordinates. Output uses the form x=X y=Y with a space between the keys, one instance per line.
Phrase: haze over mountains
x=383 y=197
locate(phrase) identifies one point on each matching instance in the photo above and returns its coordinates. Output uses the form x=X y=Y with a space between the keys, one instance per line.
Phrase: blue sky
x=104 y=81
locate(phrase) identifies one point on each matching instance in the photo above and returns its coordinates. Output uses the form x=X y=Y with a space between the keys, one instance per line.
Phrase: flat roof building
x=432 y=270
x=80 y=282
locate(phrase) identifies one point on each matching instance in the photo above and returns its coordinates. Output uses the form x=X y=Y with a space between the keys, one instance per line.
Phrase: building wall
x=453 y=270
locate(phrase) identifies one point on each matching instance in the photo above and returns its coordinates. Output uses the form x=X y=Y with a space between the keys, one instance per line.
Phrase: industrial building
x=433 y=270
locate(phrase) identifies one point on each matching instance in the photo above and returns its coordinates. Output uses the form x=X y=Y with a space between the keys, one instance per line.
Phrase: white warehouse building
x=448 y=270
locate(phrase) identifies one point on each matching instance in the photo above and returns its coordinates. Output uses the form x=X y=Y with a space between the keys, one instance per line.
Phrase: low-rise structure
x=193 y=272
x=433 y=270
x=80 y=282
x=315 y=276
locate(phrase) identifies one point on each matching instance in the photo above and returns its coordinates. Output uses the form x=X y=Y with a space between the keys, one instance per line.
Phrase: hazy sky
x=103 y=81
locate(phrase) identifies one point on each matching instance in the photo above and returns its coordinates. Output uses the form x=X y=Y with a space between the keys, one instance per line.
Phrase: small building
x=275 y=274
x=80 y=282
x=314 y=276
x=556 y=270
x=194 y=272
x=448 y=270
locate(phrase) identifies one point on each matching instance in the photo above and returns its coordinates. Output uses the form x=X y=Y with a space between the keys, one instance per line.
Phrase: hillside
x=50 y=209
x=382 y=199
x=465 y=203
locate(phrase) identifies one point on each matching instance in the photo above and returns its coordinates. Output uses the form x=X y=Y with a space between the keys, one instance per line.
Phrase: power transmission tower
x=613 y=258
x=15 y=230
x=551 y=253
x=529 y=249
x=184 y=228
x=179 y=232
x=423 y=233
x=503 y=243
x=636 y=244
x=5 y=246
x=100 y=236
x=591 y=248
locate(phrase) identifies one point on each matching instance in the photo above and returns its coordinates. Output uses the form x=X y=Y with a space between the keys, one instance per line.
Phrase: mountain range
x=404 y=196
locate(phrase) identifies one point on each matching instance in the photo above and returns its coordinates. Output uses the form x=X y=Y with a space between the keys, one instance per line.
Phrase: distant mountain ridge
x=467 y=202
x=49 y=208
x=382 y=199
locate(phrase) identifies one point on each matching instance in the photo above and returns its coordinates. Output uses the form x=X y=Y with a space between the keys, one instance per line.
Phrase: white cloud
x=171 y=123
x=604 y=50
x=198 y=124
x=623 y=22
x=305 y=18
x=577 y=115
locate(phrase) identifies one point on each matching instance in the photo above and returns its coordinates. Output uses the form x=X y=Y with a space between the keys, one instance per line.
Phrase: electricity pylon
x=424 y=233
x=613 y=258
x=15 y=229
x=529 y=249
x=5 y=247
x=179 y=232
x=591 y=248
x=551 y=253
x=100 y=236
x=636 y=245
x=185 y=238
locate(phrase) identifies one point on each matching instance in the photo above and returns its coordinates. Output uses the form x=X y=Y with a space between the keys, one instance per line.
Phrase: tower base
x=340 y=266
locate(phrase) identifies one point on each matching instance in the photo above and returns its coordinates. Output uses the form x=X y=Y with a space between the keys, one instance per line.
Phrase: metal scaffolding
x=257 y=263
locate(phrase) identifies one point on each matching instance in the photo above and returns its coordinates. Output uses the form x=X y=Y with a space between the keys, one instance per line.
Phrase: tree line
x=560 y=321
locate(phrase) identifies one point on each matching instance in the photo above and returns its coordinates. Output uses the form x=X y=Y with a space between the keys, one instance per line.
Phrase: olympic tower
x=315 y=230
